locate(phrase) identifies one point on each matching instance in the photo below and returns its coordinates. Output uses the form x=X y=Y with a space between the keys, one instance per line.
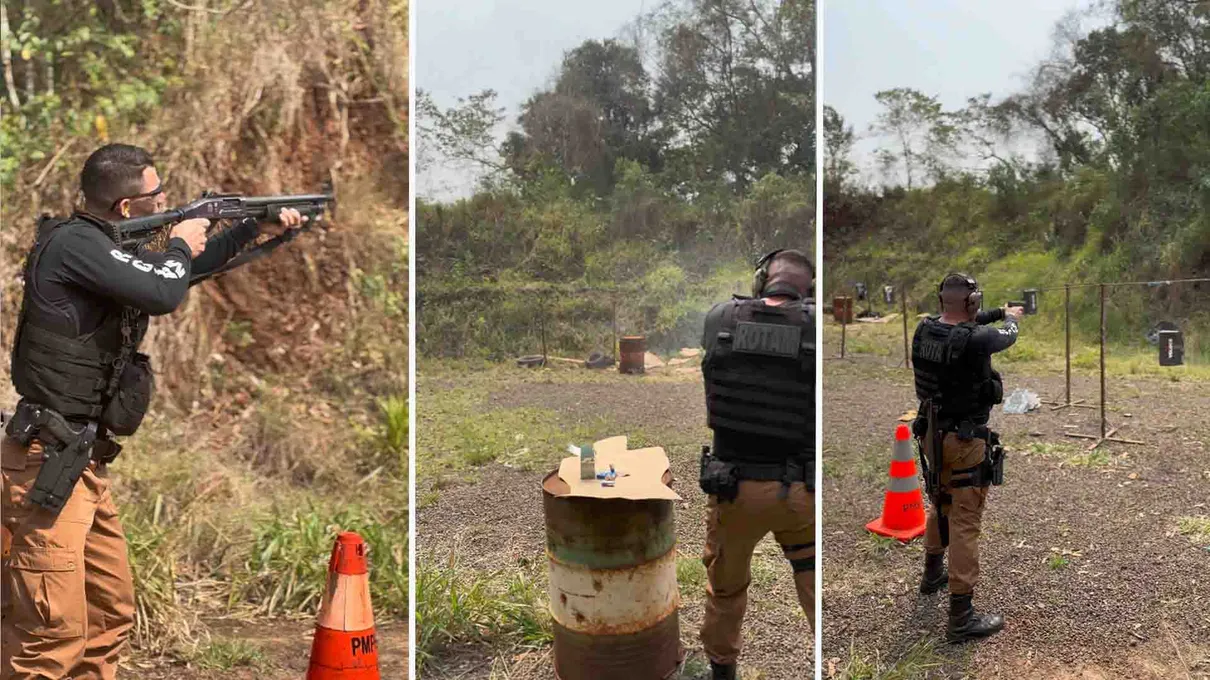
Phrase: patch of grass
x=455 y=605
x=459 y=433
x=224 y=655
x=1052 y=449
x=874 y=545
x=1056 y=561
x=768 y=566
x=287 y=568
x=690 y=574
x=874 y=463
x=1090 y=459
x=1072 y=454
x=916 y=662
x=160 y=622
x=695 y=668
x=394 y=437
x=1197 y=528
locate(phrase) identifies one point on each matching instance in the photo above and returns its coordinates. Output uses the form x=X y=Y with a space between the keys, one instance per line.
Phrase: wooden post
x=542 y=327
x=1102 y=361
x=1067 y=336
x=613 y=303
x=843 y=317
x=907 y=354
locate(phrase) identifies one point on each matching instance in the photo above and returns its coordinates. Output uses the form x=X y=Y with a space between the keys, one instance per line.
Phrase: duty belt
x=67 y=451
x=787 y=473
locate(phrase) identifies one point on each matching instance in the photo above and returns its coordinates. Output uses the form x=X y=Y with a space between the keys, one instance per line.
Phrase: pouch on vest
x=993 y=389
x=125 y=410
x=718 y=478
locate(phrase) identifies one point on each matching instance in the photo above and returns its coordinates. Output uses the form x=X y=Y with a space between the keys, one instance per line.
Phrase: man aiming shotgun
x=91 y=285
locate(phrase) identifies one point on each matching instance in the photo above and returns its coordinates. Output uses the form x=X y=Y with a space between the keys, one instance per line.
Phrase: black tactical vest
x=963 y=381
x=760 y=372
x=71 y=375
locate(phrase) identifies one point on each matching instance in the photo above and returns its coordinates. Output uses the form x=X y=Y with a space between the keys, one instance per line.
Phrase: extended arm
x=991 y=340
x=989 y=316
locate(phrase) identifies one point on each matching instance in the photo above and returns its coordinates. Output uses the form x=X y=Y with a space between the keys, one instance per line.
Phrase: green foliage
x=1057 y=561
x=224 y=655
x=1197 y=529
x=690 y=575
x=1125 y=198
x=456 y=605
x=918 y=661
x=287 y=568
x=629 y=192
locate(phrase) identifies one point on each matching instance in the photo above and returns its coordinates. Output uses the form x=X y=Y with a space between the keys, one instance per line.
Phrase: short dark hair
x=112 y=172
x=792 y=267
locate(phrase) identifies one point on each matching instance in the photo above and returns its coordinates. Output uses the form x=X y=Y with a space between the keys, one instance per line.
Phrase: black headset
x=762 y=272
x=974 y=298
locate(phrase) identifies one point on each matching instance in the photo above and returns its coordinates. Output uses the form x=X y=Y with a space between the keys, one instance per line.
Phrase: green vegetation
x=916 y=662
x=1036 y=351
x=878 y=546
x=1197 y=529
x=691 y=575
x=1056 y=561
x=458 y=605
x=280 y=416
x=632 y=195
x=223 y=655
x=462 y=428
x=1120 y=194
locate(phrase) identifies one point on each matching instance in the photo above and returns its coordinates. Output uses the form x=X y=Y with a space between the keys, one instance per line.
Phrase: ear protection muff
x=762 y=272
x=974 y=299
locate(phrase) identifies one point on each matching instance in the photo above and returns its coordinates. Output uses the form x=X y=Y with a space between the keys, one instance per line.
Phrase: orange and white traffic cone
x=345 y=645
x=903 y=506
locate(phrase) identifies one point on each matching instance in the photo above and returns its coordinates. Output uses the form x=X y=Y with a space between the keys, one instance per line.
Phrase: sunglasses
x=159 y=189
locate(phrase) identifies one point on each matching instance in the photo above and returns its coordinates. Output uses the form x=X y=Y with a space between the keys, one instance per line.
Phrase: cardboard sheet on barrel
x=644 y=470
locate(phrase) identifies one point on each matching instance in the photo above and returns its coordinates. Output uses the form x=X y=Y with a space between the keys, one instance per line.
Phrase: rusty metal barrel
x=842 y=309
x=632 y=349
x=613 y=589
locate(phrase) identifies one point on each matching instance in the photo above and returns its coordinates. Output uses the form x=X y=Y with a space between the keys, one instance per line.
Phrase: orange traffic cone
x=903 y=508
x=345 y=645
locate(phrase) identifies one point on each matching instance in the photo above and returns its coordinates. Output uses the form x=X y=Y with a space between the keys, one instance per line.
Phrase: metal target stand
x=1067 y=402
x=1106 y=431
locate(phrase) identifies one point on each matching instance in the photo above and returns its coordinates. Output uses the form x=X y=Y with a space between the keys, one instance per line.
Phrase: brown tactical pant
x=733 y=531
x=964 y=510
x=68 y=600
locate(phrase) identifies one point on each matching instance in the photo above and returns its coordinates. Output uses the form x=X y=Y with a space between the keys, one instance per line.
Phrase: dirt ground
x=496 y=522
x=1081 y=553
x=286 y=647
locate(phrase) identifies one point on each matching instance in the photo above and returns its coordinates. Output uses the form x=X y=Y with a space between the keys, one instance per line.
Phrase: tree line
x=696 y=134
x=1121 y=187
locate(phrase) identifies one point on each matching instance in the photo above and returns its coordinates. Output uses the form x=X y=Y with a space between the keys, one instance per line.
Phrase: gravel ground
x=497 y=523
x=1082 y=556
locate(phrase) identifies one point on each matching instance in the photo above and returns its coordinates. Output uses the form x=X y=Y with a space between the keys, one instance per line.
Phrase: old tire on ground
x=598 y=360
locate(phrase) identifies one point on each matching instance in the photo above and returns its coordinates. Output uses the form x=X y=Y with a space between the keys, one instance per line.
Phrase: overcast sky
x=511 y=46
x=952 y=49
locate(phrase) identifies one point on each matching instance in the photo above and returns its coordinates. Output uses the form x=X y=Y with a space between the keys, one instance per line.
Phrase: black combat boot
x=720 y=671
x=965 y=624
x=935 y=578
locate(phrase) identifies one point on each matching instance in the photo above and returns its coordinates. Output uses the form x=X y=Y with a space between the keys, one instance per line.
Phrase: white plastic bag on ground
x=1021 y=401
